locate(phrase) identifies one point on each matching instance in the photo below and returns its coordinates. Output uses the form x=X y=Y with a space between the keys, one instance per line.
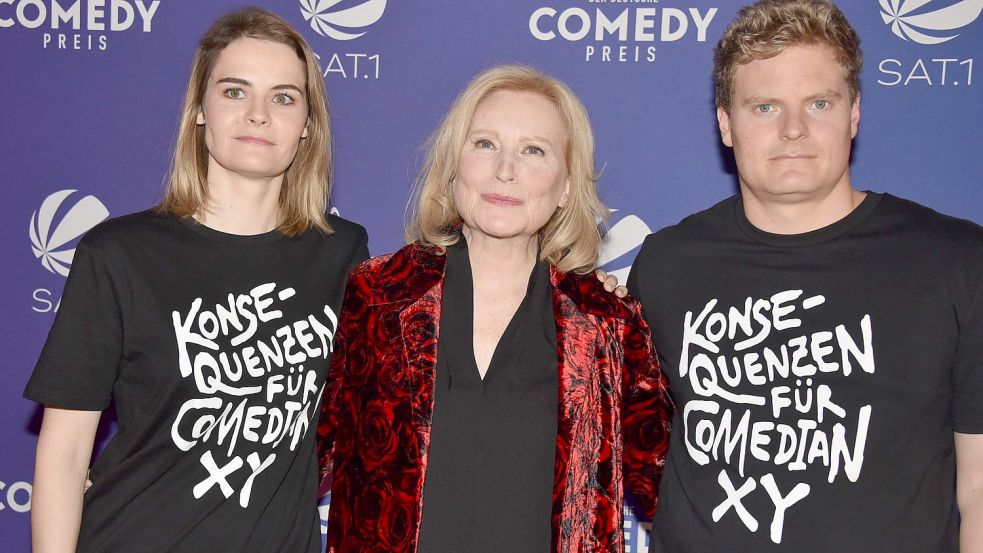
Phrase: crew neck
x=812 y=237
x=201 y=229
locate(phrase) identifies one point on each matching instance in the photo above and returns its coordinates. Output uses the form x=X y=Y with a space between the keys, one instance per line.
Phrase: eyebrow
x=244 y=82
x=534 y=138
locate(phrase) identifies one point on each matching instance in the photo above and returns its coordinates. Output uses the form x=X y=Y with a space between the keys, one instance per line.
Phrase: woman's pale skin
x=511 y=178
x=254 y=113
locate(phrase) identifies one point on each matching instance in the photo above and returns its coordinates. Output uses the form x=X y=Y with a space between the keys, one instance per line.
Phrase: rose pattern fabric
x=374 y=431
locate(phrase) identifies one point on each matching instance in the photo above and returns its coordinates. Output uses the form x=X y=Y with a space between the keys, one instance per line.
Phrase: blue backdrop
x=91 y=90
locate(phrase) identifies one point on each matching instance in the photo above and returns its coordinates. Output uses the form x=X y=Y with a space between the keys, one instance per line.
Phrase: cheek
x=465 y=196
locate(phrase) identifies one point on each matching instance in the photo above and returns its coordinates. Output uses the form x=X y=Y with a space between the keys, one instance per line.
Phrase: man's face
x=790 y=124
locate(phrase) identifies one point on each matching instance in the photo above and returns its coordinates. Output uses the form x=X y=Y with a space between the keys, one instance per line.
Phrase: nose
x=794 y=125
x=505 y=172
x=258 y=113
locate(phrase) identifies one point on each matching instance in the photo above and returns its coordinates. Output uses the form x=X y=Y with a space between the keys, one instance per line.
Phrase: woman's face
x=512 y=173
x=254 y=109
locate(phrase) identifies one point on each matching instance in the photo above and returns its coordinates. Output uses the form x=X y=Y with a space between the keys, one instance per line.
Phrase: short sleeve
x=967 y=373
x=79 y=363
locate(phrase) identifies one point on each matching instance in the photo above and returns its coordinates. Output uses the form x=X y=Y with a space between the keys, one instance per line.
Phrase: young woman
x=208 y=321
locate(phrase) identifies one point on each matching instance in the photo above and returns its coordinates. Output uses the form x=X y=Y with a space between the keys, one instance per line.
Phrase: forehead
x=260 y=60
x=805 y=69
x=530 y=111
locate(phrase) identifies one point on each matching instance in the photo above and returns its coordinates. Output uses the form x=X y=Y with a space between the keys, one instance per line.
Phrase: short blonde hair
x=570 y=239
x=767 y=28
x=307 y=182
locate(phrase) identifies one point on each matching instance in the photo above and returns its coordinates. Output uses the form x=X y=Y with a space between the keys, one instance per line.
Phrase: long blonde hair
x=570 y=239
x=307 y=182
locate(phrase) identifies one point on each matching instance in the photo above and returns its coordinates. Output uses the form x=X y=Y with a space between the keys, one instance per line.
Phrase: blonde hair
x=570 y=239
x=767 y=28
x=307 y=182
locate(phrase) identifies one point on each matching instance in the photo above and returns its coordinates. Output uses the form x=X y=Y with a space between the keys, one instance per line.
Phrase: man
x=823 y=344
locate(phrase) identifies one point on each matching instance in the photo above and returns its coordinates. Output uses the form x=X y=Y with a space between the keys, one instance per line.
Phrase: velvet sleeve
x=333 y=401
x=646 y=413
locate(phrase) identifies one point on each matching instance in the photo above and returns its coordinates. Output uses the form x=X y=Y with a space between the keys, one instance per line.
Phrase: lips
x=501 y=199
x=255 y=140
x=784 y=157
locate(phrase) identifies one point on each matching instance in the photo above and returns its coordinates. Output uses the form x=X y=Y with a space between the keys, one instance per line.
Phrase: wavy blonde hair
x=307 y=182
x=767 y=28
x=570 y=239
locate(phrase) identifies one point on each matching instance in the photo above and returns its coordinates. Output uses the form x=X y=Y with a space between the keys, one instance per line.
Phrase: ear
x=566 y=193
x=304 y=134
x=855 y=117
x=723 y=122
x=200 y=118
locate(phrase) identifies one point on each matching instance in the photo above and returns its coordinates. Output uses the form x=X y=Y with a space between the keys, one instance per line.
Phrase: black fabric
x=489 y=478
x=214 y=348
x=880 y=318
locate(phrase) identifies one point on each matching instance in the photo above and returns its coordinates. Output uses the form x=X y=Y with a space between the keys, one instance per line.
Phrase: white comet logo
x=326 y=21
x=898 y=14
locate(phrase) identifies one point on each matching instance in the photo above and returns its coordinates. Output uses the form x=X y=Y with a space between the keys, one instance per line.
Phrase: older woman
x=208 y=321
x=486 y=393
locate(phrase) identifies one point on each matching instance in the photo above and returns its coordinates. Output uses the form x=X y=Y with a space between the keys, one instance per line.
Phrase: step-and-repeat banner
x=90 y=92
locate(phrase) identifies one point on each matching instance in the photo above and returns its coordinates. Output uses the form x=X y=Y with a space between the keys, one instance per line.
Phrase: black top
x=489 y=479
x=818 y=378
x=214 y=348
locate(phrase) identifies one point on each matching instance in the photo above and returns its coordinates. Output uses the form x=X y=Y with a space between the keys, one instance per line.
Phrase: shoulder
x=589 y=295
x=694 y=228
x=920 y=234
x=925 y=220
x=670 y=249
x=132 y=228
x=402 y=275
x=347 y=231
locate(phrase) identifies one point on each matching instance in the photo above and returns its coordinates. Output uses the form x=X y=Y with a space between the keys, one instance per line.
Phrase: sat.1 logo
x=929 y=23
x=55 y=229
x=343 y=23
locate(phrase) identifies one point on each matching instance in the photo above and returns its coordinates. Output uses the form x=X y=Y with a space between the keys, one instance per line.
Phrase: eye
x=283 y=98
x=765 y=108
x=235 y=93
x=483 y=143
x=536 y=150
x=821 y=104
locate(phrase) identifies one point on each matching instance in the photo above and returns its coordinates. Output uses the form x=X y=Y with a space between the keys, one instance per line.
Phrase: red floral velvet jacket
x=374 y=431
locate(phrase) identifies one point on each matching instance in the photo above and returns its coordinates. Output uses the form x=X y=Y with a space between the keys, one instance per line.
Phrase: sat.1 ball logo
x=55 y=230
x=345 y=21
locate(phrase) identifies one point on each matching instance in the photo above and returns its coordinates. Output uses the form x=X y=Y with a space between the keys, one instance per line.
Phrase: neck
x=797 y=215
x=238 y=205
x=496 y=261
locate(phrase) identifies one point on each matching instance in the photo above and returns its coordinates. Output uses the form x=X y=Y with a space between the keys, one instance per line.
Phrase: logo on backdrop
x=54 y=231
x=78 y=25
x=344 y=23
x=256 y=373
x=53 y=240
x=620 y=245
x=930 y=23
x=615 y=34
x=325 y=20
x=15 y=496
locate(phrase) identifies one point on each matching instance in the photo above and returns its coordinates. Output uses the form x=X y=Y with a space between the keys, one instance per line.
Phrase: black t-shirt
x=214 y=348
x=489 y=484
x=818 y=378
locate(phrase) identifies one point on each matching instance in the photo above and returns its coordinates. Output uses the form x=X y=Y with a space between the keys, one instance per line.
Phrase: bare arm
x=969 y=491
x=64 y=451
